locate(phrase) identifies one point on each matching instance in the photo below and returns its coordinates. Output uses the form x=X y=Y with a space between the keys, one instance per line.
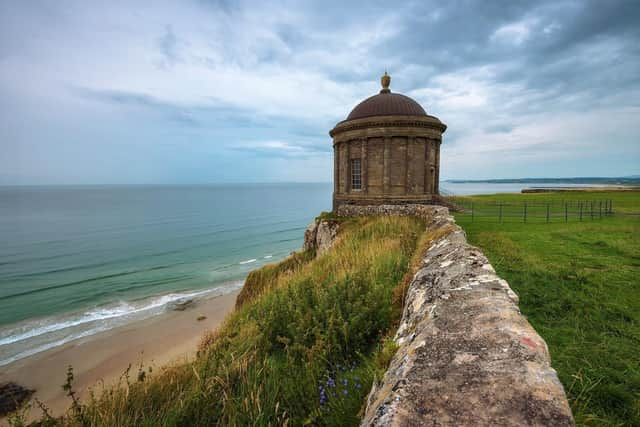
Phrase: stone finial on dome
x=385 y=81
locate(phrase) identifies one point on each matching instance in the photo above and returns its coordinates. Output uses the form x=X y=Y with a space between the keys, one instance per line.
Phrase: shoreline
x=102 y=359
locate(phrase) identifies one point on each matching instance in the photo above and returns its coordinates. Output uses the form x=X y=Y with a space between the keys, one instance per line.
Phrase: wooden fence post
x=592 y=210
x=547 y=211
x=600 y=210
x=580 y=211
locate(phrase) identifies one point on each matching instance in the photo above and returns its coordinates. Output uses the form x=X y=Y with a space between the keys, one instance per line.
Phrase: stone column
x=436 y=184
x=425 y=167
x=386 y=163
x=348 y=166
x=344 y=167
x=364 y=165
x=408 y=175
x=336 y=168
x=428 y=164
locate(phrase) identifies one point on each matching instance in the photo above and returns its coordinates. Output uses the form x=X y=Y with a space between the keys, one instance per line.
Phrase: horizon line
x=297 y=182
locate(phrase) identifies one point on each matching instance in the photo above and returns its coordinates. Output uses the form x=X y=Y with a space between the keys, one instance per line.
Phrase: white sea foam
x=44 y=326
x=44 y=347
x=268 y=256
x=249 y=261
x=33 y=337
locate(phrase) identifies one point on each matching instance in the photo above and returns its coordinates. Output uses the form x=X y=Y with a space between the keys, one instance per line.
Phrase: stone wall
x=467 y=356
x=425 y=212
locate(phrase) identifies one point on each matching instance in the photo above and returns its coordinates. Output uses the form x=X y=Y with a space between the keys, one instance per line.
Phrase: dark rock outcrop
x=320 y=235
x=182 y=304
x=12 y=396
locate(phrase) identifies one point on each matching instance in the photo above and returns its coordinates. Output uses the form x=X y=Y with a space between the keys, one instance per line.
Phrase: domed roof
x=386 y=104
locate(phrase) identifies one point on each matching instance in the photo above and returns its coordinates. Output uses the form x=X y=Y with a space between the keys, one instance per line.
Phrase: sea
x=79 y=260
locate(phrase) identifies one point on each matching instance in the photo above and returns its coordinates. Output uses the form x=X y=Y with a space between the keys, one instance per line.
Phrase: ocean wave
x=66 y=285
x=87 y=267
x=249 y=261
x=33 y=329
x=285 y=230
x=47 y=346
x=294 y=239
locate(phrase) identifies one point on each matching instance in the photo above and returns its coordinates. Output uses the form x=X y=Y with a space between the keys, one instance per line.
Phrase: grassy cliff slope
x=302 y=348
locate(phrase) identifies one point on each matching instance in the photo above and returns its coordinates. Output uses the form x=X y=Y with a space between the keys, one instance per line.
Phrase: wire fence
x=550 y=211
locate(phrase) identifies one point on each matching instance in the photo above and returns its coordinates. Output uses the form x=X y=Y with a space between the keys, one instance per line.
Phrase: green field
x=547 y=207
x=579 y=286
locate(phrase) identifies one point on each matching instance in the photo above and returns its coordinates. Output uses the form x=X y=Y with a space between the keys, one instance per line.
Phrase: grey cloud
x=487 y=69
x=499 y=128
x=284 y=150
x=213 y=113
x=168 y=45
x=460 y=38
x=169 y=111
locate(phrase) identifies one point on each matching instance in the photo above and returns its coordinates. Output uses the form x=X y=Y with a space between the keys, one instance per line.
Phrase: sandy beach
x=166 y=338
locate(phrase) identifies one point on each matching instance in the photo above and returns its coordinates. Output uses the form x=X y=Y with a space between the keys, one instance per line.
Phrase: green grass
x=266 y=278
x=579 y=286
x=303 y=326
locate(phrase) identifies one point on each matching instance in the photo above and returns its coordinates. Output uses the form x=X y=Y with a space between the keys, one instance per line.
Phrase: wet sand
x=104 y=357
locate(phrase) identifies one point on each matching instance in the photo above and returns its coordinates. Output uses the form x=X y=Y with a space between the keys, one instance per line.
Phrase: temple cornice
x=426 y=122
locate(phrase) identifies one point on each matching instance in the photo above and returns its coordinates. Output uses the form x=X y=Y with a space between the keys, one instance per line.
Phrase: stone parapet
x=466 y=356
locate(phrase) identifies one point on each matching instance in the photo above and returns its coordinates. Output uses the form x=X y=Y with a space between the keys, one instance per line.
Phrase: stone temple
x=387 y=151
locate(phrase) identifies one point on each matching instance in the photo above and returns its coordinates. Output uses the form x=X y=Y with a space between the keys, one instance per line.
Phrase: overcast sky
x=231 y=91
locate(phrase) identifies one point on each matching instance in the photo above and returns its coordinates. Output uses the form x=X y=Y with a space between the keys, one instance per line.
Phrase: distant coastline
x=624 y=180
